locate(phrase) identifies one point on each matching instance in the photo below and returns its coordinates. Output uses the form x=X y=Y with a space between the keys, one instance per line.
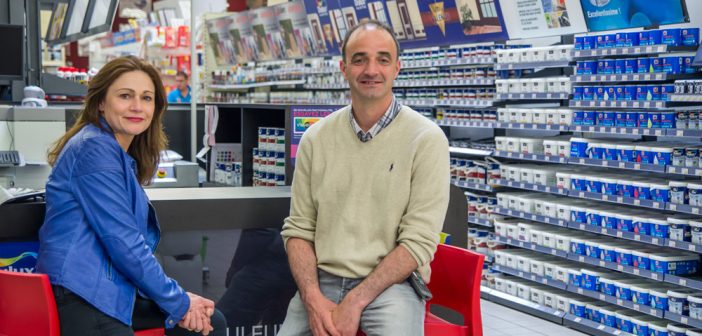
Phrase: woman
x=100 y=230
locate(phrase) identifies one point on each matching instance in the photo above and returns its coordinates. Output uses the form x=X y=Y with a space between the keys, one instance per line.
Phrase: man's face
x=181 y=82
x=371 y=64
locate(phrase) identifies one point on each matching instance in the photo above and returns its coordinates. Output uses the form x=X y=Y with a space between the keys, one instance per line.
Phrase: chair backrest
x=27 y=305
x=455 y=283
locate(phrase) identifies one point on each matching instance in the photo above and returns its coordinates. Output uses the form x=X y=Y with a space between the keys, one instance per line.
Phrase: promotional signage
x=416 y=23
x=266 y=33
x=619 y=14
x=540 y=18
x=221 y=42
x=302 y=118
x=296 y=33
x=18 y=256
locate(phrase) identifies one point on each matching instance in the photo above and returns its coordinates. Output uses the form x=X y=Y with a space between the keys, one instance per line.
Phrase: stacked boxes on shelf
x=269 y=158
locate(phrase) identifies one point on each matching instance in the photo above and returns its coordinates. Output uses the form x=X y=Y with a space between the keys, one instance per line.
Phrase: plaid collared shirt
x=384 y=121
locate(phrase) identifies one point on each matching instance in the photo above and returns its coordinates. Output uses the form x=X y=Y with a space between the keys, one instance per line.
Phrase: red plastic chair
x=27 y=306
x=455 y=284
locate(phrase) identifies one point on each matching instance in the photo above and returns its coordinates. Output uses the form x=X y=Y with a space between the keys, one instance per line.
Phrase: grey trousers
x=396 y=311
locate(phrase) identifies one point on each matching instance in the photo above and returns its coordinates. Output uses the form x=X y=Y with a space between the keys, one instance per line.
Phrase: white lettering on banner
x=257 y=330
x=609 y=12
x=20 y=269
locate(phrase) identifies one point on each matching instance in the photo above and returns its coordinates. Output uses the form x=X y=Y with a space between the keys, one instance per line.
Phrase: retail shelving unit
x=661 y=171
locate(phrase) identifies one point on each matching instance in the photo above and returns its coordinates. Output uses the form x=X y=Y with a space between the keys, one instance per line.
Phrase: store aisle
x=502 y=321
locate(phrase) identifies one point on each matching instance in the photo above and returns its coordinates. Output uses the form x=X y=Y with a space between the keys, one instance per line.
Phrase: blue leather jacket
x=100 y=230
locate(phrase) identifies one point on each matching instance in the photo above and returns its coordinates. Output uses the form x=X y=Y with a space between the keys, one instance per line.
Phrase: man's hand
x=347 y=318
x=198 y=316
x=319 y=312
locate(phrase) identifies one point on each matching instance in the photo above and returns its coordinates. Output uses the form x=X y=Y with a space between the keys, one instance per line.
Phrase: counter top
x=178 y=209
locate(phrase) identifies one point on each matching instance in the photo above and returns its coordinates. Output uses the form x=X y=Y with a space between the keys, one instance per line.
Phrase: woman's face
x=129 y=106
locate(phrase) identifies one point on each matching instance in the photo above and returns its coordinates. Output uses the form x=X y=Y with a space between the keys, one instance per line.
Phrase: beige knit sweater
x=357 y=201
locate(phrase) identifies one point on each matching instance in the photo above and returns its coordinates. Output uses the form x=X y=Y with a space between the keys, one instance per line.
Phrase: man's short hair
x=182 y=74
x=365 y=24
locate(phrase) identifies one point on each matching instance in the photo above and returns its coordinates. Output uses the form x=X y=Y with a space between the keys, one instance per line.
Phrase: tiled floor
x=502 y=321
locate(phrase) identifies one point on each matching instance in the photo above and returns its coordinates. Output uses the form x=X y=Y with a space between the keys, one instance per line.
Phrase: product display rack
x=550 y=314
x=500 y=128
x=630 y=51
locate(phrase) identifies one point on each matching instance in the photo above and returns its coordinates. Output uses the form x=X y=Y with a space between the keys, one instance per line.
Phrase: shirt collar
x=383 y=122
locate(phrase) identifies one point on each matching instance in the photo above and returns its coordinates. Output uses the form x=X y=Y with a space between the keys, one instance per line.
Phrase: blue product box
x=632 y=39
x=502 y=74
x=628 y=190
x=645 y=157
x=655 y=37
x=608 y=67
x=627 y=326
x=579 y=216
x=600 y=67
x=591 y=282
x=641 y=93
x=588 y=93
x=625 y=293
x=640 y=330
x=578 y=149
x=642 y=227
x=610 y=222
x=625 y=259
x=673 y=65
x=658 y=230
x=653 y=119
x=600 y=93
x=656 y=64
x=600 y=42
x=627 y=155
x=671 y=37
x=578 y=117
x=589 y=118
x=595 y=153
x=644 y=38
x=675 y=267
x=619 y=66
x=653 y=92
x=610 y=154
x=597 y=316
x=663 y=159
x=643 y=65
x=609 y=256
x=578 y=45
x=589 y=67
x=610 y=40
x=667 y=90
x=658 y=302
x=641 y=262
x=575 y=279
x=579 y=249
x=626 y=225
x=620 y=118
x=610 y=321
x=592 y=251
x=606 y=118
x=630 y=92
x=630 y=65
x=621 y=40
x=577 y=93
x=690 y=36
x=688 y=68
x=611 y=93
x=641 y=298
x=593 y=218
x=589 y=42
x=577 y=310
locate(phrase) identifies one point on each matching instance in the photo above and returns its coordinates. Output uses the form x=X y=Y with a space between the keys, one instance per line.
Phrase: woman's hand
x=198 y=316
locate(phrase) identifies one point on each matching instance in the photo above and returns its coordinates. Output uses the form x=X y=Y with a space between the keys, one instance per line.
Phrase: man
x=181 y=94
x=369 y=197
